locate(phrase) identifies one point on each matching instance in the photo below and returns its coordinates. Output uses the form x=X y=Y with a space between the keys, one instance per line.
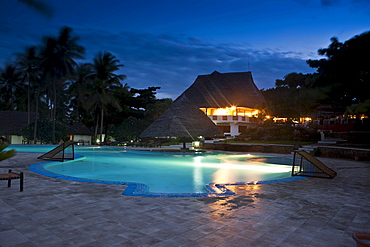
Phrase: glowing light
x=220 y=111
x=267 y=168
x=251 y=113
x=198 y=180
x=306 y=119
x=198 y=159
x=242 y=164
x=196 y=144
x=231 y=111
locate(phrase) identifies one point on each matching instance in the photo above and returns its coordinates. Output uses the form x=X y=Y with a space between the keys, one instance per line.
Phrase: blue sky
x=168 y=43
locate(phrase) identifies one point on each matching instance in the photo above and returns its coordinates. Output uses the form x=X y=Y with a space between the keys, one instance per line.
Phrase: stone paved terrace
x=308 y=212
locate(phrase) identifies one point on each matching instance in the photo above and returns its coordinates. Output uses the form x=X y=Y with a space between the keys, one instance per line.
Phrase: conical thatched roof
x=80 y=129
x=182 y=119
x=219 y=90
x=216 y=90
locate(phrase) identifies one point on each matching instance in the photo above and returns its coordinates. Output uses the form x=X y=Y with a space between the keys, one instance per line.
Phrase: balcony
x=229 y=119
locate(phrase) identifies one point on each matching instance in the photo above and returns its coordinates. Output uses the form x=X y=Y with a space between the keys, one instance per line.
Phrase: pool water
x=31 y=148
x=166 y=172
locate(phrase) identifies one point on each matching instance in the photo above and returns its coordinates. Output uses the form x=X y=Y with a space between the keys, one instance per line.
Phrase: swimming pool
x=163 y=173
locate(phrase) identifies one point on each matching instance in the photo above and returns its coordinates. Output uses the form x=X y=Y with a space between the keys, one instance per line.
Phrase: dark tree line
x=293 y=97
x=342 y=81
x=47 y=80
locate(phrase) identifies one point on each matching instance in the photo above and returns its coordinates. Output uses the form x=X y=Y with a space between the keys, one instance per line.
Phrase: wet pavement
x=308 y=212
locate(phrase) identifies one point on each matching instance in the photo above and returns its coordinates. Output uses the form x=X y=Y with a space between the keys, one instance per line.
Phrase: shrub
x=278 y=132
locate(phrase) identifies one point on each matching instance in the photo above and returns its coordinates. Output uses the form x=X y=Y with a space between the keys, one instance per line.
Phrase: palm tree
x=78 y=89
x=29 y=66
x=58 y=61
x=10 y=87
x=105 y=83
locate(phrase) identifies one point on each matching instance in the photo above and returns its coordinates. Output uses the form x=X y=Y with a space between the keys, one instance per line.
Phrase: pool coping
x=140 y=189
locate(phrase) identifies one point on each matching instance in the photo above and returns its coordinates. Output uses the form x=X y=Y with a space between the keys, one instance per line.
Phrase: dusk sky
x=168 y=43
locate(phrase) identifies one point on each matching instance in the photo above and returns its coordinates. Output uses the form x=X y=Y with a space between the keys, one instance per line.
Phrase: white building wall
x=233 y=121
x=84 y=138
x=16 y=139
x=234 y=129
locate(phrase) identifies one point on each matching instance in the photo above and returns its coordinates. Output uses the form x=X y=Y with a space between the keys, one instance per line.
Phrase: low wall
x=343 y=153
x=257 y=148
x=323 y=151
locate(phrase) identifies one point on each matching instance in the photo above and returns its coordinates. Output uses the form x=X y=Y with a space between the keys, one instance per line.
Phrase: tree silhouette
x=293 y=97
x=11 y=87
x=28 y=64
x=78 y=90
x=344 y=74
x=105 y=83
x=58 y=56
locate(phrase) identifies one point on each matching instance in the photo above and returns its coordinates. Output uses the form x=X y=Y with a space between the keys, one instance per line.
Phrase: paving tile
x=12 y=237
x=190 y=224
x=50 y=240
x=174 y=241
x=193 y=234
x=212 y=239
x=93 y=244
x=25 y=244
x=310 y=212
x=228 y=244
x=36 y=232
x=324 y=243
x=332 y=237
x=237 y=239
x=146 y=241
x=161 y=234
x=206 y=229
x=112 y=240
x=5 y=225
x=98 y=234
x=132 y=235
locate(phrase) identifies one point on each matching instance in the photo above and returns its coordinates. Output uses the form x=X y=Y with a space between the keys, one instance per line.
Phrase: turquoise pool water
x=31 y=148
x=167 y=172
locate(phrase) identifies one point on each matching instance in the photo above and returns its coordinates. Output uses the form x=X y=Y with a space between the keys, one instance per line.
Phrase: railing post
x=293 y=163
x=21 y=181
x=63 y=152
x=9 y=180
x=73 y=151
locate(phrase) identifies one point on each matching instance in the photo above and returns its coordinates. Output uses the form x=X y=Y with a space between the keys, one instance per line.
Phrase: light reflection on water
x=170 y=172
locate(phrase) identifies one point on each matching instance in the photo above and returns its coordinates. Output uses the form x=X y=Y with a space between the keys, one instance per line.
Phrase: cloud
x=173 y=62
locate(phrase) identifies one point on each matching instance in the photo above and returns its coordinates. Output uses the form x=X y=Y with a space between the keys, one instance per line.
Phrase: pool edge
x=140 y=189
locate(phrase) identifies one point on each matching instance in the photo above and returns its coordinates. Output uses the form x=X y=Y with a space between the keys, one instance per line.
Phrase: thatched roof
x=219 y=90
x=80 y=129
x=182 y=119
x=216 y=90
x=12 y=122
